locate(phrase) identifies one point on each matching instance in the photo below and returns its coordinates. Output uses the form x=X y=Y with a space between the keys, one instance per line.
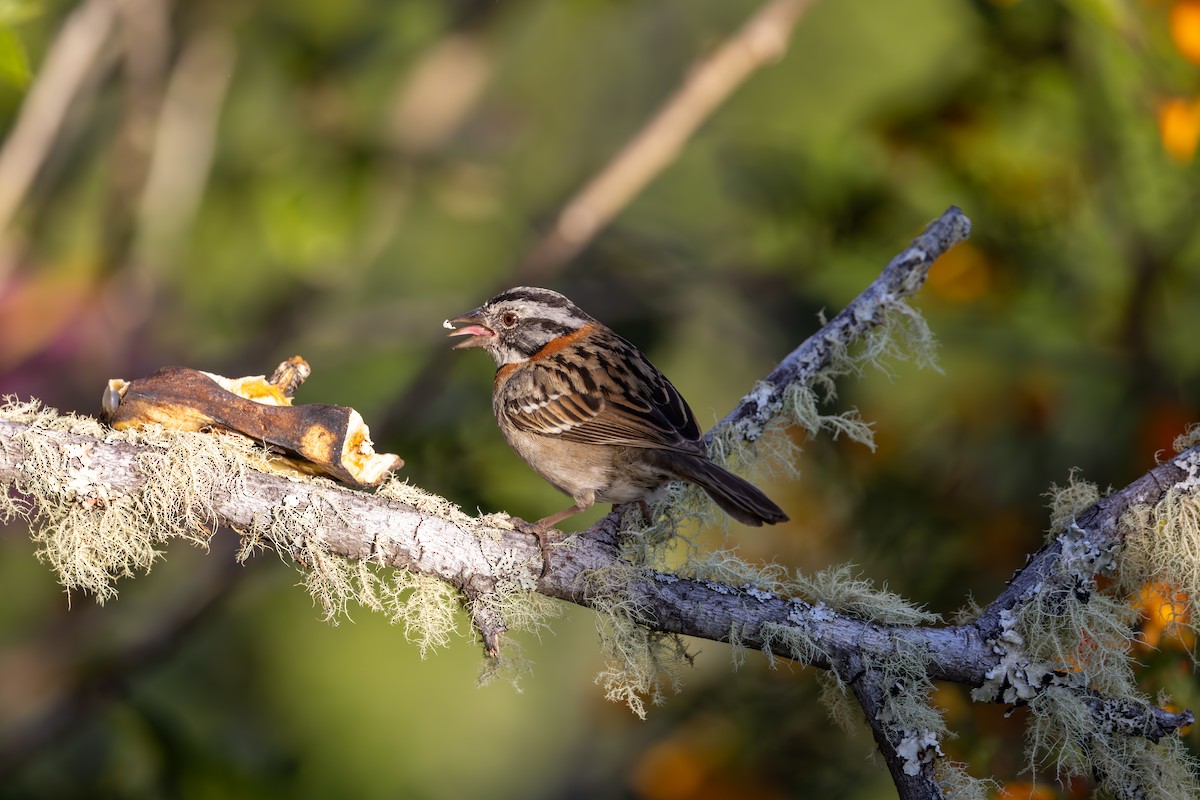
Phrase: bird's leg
x=541 y=529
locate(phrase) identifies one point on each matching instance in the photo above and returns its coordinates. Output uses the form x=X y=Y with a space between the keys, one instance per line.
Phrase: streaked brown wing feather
x=628 y=402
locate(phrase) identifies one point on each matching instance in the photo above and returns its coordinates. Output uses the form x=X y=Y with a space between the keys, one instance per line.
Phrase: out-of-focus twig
x=145 y=38
x=426 y=108
x=762 y=40
x=184 y=141
x=439 y=92
x=73 y=60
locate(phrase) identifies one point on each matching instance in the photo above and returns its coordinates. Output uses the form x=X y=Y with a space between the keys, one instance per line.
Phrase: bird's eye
x=508 y=319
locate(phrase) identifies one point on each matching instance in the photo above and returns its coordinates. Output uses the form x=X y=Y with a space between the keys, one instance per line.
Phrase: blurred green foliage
x=236 y=183
x=14 y=61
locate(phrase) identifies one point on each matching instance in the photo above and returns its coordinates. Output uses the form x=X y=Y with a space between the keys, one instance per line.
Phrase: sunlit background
x=223 y=185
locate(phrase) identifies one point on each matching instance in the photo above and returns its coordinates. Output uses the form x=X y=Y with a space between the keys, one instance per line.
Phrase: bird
x=589 y=413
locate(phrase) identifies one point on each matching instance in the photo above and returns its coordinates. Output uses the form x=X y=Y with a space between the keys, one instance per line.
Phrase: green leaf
x=14 y=12
x=14 y=64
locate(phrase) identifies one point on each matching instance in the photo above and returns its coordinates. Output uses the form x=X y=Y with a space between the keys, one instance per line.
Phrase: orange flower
x=1179 y=127
x=1184 y=23
x=1161 y=608
x=962 y=275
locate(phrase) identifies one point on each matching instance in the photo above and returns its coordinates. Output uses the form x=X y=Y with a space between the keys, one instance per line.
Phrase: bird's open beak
x=468 y=325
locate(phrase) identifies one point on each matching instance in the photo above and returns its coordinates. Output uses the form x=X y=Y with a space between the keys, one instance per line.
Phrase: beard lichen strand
x=640 y=663
x=899 y=334
x=91 y=533
x=1162 y=548
x=1065 y=735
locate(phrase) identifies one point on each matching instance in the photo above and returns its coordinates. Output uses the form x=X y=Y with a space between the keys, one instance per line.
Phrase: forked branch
x=886 y=664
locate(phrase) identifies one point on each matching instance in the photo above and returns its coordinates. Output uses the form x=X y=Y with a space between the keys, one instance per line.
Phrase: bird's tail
x=738 y=498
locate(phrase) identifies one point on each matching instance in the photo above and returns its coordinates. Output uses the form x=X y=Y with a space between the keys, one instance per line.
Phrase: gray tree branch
x=480 y=554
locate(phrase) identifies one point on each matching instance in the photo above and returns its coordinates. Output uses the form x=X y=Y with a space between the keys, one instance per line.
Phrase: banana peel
x=315 y=438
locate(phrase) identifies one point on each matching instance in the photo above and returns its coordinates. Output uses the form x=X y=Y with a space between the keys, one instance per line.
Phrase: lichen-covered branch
x=910 y=755
x=878 y=304
x=99 y=503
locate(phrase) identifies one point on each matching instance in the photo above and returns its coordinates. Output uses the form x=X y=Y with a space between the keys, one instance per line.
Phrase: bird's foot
x=543 y=535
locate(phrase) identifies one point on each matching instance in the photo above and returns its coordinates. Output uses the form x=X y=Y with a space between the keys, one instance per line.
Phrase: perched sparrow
x=589 y=413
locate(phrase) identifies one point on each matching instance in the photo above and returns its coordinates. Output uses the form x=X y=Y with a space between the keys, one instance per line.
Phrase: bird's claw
x=543 y=536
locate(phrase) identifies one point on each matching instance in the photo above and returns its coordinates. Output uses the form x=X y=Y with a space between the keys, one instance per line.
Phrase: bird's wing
x=625 y=402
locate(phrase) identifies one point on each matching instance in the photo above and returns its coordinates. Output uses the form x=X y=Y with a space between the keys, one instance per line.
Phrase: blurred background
x=223 y=185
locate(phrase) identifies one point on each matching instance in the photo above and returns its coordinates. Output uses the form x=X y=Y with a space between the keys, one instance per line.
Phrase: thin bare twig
x=184 y=141
x=73 y=60
x=761 y=41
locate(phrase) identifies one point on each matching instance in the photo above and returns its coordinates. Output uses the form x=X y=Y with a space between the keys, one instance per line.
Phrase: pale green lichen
x=429 y=609
x=771 y=452
x=650 y=543
x=1162 y=546
x=510 y=665
x=434 y=505
x=774 y=450
x=842 y=710
x=902 y=335
x=1066 y=502
x=803 y=405
x=913 y=724
x=520 y=608
x=967 y=613
x=40 y=417
x=92 y=535
x=904 y=671
x=958 y=784
x=634 y=675
x=840 y=589
x=725 y=566
x=1074 y=635
x=791 y=641
x=1065 y=735
x=1188 y=439
x=1069 y=625
x=1088 y=641
x=640 y=664
x=836 y=587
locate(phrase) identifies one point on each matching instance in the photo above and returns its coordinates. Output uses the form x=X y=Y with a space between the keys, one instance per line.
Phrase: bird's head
x=516 y=323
